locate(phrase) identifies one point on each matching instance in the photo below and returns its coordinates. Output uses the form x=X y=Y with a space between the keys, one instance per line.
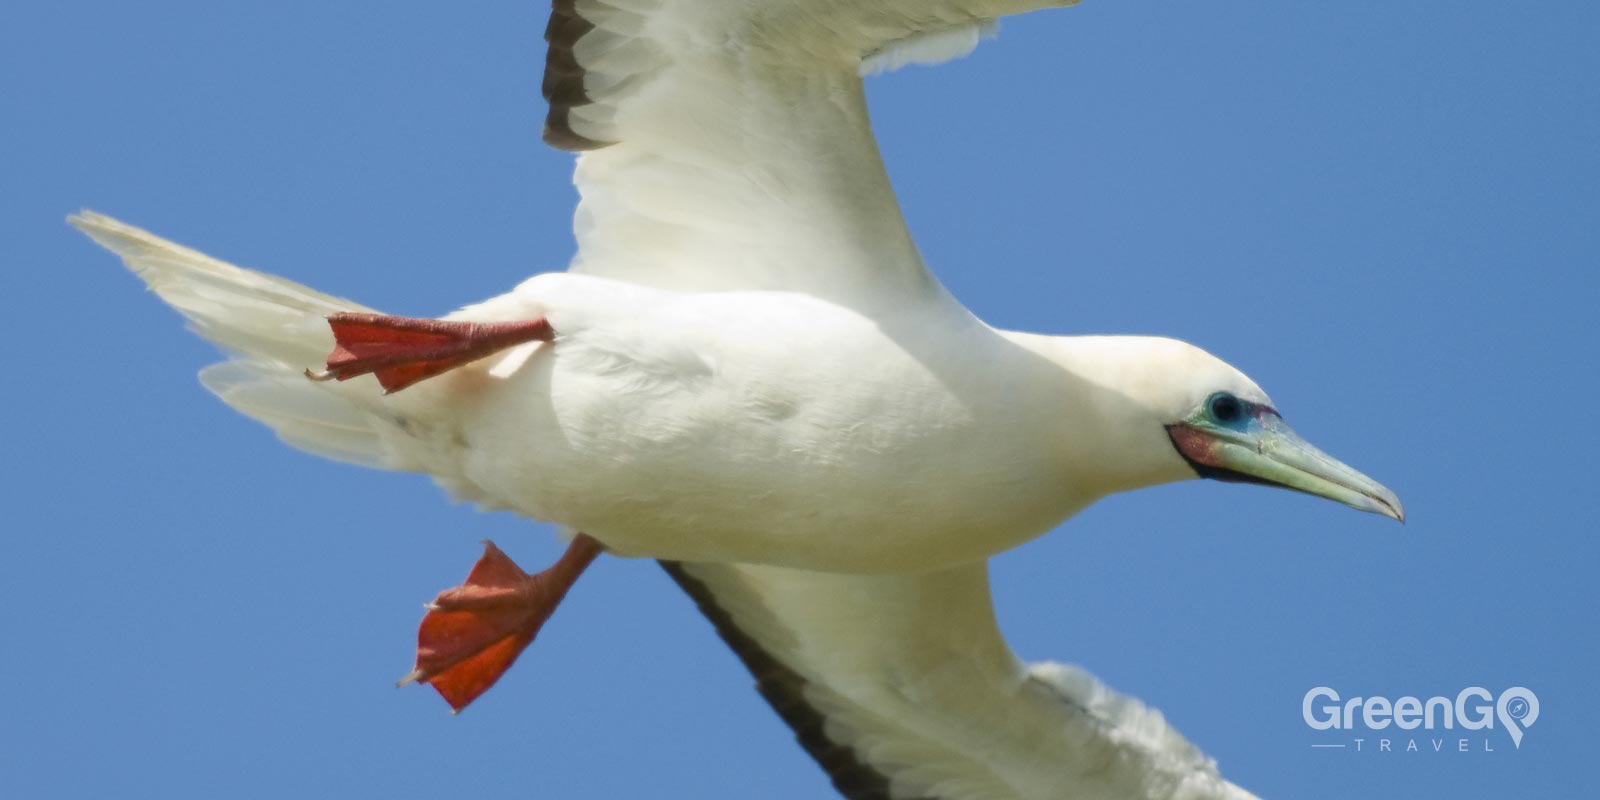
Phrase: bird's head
x=1176 y=398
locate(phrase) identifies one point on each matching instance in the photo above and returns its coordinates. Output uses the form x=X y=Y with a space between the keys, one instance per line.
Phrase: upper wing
x=728 y=145
x=902 y=687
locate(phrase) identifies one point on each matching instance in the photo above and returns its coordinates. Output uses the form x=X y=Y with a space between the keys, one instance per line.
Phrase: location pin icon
x=1517 y=708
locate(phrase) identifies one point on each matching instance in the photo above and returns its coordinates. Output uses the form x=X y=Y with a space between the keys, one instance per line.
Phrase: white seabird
x=749 y=374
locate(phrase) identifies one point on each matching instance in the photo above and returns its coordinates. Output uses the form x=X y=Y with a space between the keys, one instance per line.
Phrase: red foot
x=473 y=633
x=403 y=350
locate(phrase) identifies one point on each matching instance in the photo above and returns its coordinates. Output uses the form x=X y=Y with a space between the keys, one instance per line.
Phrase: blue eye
x=1225 y=408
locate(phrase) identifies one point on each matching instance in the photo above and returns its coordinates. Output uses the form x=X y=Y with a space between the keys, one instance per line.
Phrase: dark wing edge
x=563 y=77
x=784 y=690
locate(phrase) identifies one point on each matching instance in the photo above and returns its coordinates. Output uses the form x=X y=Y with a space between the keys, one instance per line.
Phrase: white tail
x=275 y=328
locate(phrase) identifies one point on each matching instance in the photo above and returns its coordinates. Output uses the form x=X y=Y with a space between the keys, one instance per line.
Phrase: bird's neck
x=1086 y=395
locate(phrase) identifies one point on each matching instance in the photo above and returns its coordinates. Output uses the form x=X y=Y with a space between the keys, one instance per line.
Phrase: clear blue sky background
x=1388 y=215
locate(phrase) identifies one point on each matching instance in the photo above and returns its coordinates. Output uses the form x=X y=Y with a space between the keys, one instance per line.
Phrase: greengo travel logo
x=1473 y=720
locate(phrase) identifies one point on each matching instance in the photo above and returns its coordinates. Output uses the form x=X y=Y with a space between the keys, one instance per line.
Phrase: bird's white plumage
x=753 y=364
x=741 y=155
x=928 y=49
x=275 y=327
x=912 y=674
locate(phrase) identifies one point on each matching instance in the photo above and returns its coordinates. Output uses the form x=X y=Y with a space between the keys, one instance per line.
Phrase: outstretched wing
x=727 y=141
x=902 y=687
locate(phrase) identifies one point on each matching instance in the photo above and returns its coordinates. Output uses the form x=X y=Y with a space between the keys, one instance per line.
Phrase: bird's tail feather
x=274 y=329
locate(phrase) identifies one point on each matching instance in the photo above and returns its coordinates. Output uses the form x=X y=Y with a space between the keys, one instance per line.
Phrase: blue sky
x=1389 y=217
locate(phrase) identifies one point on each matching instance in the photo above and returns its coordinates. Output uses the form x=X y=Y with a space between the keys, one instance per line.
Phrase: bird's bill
x=1269 y=451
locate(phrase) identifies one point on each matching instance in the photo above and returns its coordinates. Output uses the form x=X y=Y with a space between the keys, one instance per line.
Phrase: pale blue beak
x=1258 y=447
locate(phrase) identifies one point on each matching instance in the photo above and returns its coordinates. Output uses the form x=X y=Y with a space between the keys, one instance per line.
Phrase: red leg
x=474 y=632
x=403 y=350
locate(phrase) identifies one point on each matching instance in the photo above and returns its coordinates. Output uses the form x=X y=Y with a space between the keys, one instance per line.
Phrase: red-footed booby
x=749 y=374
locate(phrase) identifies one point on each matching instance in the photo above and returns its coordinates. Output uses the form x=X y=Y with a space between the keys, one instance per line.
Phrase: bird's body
x=760 y=427
x=779 y=428
x=765 y=427
x=749 y=373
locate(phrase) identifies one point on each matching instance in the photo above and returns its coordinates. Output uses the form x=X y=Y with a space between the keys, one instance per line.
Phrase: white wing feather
x=903 y=687
x=928 y=49
x=729 y=143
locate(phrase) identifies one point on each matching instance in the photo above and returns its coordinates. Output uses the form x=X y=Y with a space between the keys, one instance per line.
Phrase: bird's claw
x=473 y=633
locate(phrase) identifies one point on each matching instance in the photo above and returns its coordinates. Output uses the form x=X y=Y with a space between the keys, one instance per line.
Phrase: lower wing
x=902 y=686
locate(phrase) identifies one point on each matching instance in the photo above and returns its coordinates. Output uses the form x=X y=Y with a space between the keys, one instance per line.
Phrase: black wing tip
x=784 y=691
x=561 y=136
x=562 y=85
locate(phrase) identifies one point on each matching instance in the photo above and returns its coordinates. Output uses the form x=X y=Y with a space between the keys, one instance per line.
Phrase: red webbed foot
x=473 y=633
x=400 y=351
